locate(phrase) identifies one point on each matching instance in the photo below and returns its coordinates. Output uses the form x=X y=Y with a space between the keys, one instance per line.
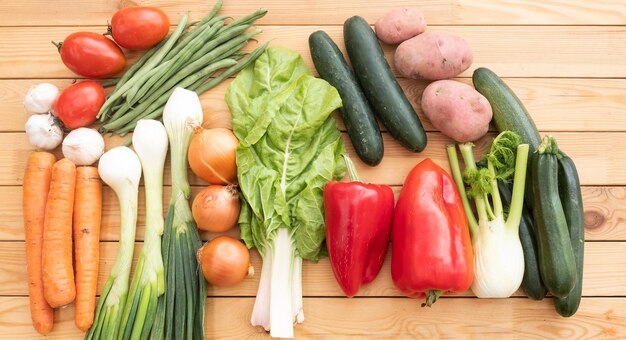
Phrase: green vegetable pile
x=290 y=147
x=188 y=58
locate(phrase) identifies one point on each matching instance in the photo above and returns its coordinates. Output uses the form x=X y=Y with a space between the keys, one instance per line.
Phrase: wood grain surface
x=510 y=51
x=565 y=59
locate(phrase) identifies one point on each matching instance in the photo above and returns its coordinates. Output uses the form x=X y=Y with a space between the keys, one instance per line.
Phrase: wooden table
x=566 y=59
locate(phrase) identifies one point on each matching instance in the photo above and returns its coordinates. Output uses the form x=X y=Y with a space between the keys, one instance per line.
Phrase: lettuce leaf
x=290 y=147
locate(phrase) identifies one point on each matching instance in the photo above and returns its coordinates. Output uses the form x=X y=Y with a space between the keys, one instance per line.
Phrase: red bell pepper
x=431 y=248
x=358 y=226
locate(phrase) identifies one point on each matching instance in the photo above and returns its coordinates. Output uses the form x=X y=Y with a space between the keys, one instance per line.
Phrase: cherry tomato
x=78 y=105
x=139 y=27
x=92 y=55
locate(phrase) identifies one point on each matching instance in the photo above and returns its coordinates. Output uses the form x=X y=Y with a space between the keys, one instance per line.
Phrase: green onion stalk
x=181 y=314
x=120 y=169
x=148 y=284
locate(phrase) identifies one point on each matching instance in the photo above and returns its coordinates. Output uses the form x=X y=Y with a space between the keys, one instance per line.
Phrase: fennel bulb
x=498 y=254
x=290 y=147
x=120 y=169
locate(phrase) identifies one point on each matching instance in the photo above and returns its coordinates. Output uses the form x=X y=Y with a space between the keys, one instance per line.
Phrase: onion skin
x=216 y=208
x=212 y=155
x=225 y=261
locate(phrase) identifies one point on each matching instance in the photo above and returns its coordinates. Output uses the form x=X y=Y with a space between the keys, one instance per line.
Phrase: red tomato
x=139 y=27
x=92 y=55
x=78 y=105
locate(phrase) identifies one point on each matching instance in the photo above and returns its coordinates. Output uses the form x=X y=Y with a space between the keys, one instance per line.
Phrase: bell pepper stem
x=354 y=175
x=431 y=297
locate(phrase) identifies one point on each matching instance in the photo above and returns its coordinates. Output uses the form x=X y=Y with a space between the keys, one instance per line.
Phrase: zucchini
x=508 y=111
x=356 y=112
x=556 y=257
x=380 y=85
x=508 y=114
x=531 y=283
x=572 y=201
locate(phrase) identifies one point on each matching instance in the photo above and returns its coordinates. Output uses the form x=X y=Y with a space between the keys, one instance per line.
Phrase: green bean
x=189 y=69
x=249 y=19
x=225 y=36
x=179 y=61
x=127 y=104
x=149 y=65
x=192 y=35
x=234 y=69
x=110 y=82
x=199 y=87
x=158 y=99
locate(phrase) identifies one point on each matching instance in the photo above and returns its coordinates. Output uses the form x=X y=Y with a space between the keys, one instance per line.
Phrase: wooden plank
x=325 y=12
x=588 y=148
x=601 y=277
x=555 y=104
x=358 y=318
x=538 y=51
x=605 y=214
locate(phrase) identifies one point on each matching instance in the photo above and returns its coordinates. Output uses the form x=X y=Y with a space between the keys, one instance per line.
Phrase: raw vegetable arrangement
x=511 y=218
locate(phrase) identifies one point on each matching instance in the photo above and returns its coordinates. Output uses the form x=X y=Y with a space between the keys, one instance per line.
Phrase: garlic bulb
x=43 y=132
x=83 y=146
x=40 y=98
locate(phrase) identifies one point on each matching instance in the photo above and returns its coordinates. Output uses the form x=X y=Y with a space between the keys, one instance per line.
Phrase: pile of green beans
x=191 y=57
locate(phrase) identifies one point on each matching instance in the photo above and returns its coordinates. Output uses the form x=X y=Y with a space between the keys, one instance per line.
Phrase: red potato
x=399 y=25
x=457 y=110
x=433 y=56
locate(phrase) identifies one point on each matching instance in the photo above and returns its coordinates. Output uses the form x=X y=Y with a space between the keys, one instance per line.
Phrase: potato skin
x=433 y=56
x=457 y=110
x=400 y=24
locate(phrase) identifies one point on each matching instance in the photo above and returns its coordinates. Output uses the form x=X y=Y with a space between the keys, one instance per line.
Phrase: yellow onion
x=212 y=155
x=225 y=261
x=216 y=208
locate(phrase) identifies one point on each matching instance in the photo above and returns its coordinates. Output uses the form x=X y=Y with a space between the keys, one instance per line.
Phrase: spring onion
x=148 y=284
x=181 y=315
x=120 y=169
x=498 y=255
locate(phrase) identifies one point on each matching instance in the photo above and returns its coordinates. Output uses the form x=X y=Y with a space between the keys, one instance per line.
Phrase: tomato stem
x=58 y=45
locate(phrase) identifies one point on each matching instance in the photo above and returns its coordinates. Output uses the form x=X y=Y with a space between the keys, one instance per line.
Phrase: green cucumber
x=508 y=111
x=380 y=85
x=556 y=256
x=508 y=114
x=572 y=201
x=531 y=283
x=356 y=112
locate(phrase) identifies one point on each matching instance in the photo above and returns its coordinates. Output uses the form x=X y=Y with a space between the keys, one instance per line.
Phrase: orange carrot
x=35 y=194
x=58 y=273
x=87 y=218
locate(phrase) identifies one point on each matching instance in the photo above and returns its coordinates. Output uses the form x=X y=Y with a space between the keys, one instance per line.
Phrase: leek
x=180 y=315
x=498 y=254
x=120 y=169
x=148 y=284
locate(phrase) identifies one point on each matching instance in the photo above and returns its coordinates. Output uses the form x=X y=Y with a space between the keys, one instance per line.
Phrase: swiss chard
x=290 y=147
